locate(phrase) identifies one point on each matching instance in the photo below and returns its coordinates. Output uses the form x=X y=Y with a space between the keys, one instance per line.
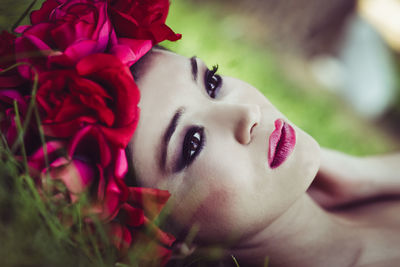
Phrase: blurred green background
x=218 y=35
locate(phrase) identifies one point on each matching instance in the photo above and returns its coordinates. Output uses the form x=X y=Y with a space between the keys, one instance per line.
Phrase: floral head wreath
x=66 y=81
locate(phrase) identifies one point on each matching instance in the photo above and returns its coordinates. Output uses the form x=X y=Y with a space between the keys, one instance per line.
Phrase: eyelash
x=192 y=145
x=194 y=139
x=212 y=82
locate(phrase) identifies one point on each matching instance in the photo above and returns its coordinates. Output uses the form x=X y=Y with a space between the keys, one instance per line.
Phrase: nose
x=240 y=119
x=248 y=117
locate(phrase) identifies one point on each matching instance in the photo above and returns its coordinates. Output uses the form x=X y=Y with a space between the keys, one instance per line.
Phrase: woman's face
x=209 y=149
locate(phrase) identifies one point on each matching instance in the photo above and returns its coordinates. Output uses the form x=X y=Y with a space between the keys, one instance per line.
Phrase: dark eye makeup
x=212 y=82
x=193 y=143
x=194 y=139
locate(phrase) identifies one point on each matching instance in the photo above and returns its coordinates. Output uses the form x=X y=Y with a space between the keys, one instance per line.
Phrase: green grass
x=30 y=230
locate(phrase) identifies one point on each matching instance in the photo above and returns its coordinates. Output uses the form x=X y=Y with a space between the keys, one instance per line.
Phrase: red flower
x=72 y=23
x=142 y=19
x=100 y=91
x=63 y=32
x=77 y=28
x=87 y=99
x=139 y=25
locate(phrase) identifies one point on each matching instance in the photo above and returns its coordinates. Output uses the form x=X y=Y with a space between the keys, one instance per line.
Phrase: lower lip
x=281 y=143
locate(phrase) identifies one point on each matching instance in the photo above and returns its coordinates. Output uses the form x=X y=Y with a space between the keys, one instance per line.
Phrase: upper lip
x=281 y=143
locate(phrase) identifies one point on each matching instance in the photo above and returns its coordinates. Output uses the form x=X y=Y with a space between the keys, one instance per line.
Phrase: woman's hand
x=344 y=179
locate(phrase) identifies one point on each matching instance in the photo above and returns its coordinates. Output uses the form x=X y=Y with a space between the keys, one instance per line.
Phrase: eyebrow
x=193 y=63
x=169 y=131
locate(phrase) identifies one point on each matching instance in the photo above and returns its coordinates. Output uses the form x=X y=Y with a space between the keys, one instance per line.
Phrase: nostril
x=252 y=127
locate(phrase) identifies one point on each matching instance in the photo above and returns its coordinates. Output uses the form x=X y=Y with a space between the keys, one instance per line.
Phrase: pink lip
x=281 y=143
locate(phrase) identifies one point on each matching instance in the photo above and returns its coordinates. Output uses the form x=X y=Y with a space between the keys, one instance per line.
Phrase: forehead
x=163 y=86
x=164 y=69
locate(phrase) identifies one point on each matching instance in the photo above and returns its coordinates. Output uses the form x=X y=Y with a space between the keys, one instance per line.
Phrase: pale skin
x=222 y=185
x=344 y=179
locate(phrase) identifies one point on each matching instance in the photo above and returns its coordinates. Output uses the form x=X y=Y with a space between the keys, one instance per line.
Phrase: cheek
x=215 y=200
x=213 y=215
x=205 y=204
